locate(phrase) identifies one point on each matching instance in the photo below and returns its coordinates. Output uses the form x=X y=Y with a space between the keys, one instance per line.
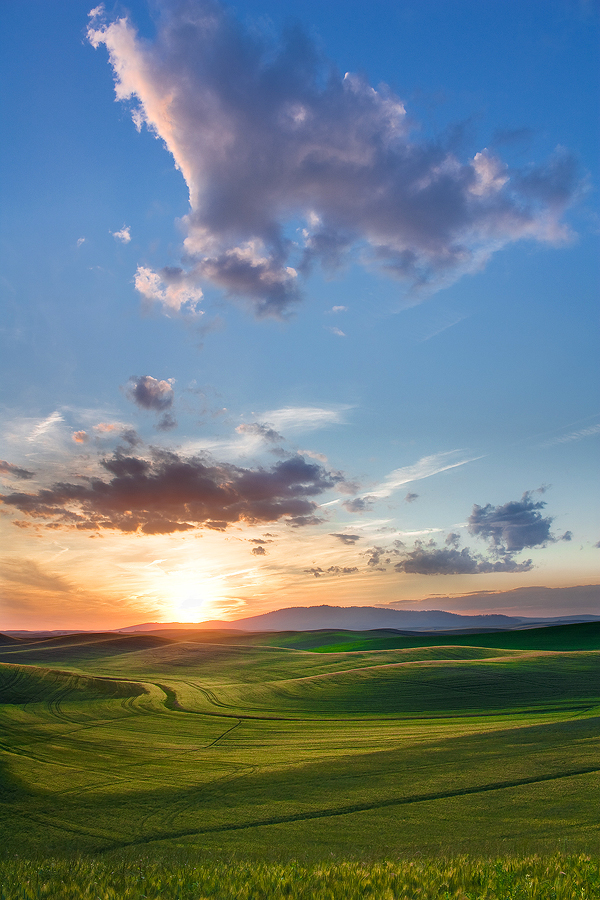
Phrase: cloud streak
x=423 y=468
x=268 y=132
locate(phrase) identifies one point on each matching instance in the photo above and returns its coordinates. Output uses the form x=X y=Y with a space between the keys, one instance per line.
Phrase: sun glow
x=185 y=597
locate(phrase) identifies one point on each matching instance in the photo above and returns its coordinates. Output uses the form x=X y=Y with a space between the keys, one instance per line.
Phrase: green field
x=253 y=749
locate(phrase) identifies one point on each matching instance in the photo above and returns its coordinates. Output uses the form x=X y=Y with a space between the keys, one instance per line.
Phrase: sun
x=186 y=599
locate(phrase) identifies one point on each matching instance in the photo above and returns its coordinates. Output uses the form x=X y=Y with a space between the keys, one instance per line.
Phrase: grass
x=532 y=878
x=171 y=758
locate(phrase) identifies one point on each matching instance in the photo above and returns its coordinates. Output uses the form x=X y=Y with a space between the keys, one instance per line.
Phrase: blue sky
x=332 y=300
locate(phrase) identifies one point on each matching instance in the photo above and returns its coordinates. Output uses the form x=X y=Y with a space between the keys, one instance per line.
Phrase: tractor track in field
x=353 y=808
x=173 y=704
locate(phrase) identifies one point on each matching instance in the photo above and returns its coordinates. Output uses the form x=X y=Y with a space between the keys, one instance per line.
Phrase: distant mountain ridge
x=363 y=618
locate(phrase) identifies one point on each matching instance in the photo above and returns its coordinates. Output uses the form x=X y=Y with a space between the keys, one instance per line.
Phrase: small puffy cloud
x=13 y=471
x=350 y=539
x=259 y=551
x=169 y=493
x=80 y=241
x=513 y=526
x=80 y=437
x=124 y=235
x=106 y=427
x=318 y=572
x=336 y=331
x=410 y=497
x=267 y=132
x=166 y=422
x=256 y=429
x=150 y=393
x=358 y=505
x=339 y=309
x=170 y=288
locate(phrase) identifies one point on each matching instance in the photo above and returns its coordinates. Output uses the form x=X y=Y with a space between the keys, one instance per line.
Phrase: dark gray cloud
x=347 y=538
x=318 y=572
x=429 y=559
x=410 y=497
x=513 y=526
x=150 y=393
x=169 y=493
x=7 y=468
x=267 y=132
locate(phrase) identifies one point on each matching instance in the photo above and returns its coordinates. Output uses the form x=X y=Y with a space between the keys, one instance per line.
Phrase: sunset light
x=297 y=315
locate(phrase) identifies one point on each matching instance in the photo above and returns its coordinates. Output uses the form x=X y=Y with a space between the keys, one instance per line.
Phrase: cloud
x=304 y=521
x=80 y=241
x=266 y=132
x=150 y=393
x=424 y=468
x=506 y=529
x=28 y=572
x=258 y=430
x=312 y=454
x=259 y=551
x=172 y=289
x=318 y=572
x=306 y=418
x=358 y=505
x=574 y=436
x=124 y=235
x=429 y=559
x=7 y=468
x=337 y=331
x=45 y=425
x=338 y=309
x=80 y=437
x=410 y=497
x=513 y=526
x=169 y=493
x=350 y=539
x=166 y=422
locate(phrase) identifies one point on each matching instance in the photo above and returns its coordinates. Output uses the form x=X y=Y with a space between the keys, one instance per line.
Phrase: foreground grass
x=556 y=877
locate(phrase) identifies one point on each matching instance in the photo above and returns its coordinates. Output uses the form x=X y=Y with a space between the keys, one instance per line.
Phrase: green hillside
x=580 y=636
x=123 y=745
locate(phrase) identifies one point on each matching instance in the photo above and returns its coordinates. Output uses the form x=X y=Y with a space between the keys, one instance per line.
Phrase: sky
x=299 y=307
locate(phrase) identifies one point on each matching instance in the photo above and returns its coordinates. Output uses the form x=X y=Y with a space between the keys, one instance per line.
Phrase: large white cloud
x=268 y=134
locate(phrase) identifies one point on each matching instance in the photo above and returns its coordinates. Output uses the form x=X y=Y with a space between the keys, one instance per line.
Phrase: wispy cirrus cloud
x=423 y=468
x=578 y=435
x=305 y=418
x=265 y=132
